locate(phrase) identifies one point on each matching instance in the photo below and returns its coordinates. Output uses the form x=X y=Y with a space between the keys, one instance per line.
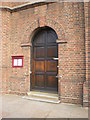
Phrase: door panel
x=39 y=52
x=51 y=82
x=39 y=80
x=39 y=38
x=51 y=66
x=39 y=66
x=51 y=51
x=51 y=37
x=44 y=67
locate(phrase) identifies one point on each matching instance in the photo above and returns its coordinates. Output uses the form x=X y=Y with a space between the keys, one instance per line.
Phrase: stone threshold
x=42 y=97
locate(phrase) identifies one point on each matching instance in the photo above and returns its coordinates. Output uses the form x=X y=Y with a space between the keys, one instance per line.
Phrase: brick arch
x=30 y=30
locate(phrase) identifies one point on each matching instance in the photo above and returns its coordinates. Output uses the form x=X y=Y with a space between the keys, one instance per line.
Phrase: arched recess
x=29 y=33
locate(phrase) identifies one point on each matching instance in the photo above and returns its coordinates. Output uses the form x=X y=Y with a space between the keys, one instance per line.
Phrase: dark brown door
x=44 y=67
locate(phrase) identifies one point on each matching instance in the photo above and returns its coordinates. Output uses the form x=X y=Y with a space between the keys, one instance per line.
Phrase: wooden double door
x=44 y=67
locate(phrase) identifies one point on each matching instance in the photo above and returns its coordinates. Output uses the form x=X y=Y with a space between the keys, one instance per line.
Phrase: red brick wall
x=88 y=62
x=86 y=83
x=0 y=53
x=67 y=19
x=72 y=56
x=6 y=29
x=11 y=4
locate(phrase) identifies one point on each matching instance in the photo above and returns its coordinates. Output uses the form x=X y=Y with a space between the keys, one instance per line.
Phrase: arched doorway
x=44 y=67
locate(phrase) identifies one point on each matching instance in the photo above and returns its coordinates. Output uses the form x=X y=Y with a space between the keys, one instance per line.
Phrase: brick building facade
x=21 y=22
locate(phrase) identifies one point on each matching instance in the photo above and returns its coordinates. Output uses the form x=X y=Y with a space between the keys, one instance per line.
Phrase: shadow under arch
x=37 y=30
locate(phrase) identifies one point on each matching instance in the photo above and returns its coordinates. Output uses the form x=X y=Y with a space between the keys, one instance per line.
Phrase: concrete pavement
x=14 y=106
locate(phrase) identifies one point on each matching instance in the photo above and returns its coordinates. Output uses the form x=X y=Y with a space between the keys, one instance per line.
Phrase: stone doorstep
x=42 y=97
x=43 y=94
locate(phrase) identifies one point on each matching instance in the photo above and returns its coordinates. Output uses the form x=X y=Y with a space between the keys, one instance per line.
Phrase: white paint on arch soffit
x=37 y=1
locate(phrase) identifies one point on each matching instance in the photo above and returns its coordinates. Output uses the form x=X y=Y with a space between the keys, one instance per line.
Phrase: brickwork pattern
x=0 y=53
x=11 y=4
x=86 y=83
x=67 y=19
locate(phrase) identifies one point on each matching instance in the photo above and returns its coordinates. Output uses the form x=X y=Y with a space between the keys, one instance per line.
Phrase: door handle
x=30 y=72
x=55 y=58
x=58 y=76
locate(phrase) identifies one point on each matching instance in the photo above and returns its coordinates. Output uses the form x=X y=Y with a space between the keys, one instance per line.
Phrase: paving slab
x=14 y=106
